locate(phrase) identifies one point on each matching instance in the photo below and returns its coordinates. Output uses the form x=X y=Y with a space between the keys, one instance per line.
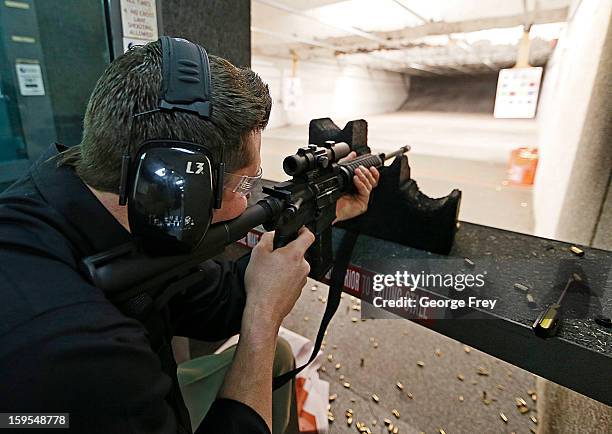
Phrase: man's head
x=132 y=84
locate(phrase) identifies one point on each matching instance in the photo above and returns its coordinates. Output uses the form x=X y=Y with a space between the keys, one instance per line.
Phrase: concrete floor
x=435 y=388
x=438 y=140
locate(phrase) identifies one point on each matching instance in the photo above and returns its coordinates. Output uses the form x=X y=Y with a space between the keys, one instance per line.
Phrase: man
x=63 y=346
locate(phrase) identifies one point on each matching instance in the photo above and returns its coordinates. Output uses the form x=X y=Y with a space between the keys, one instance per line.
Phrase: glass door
x=51 y=54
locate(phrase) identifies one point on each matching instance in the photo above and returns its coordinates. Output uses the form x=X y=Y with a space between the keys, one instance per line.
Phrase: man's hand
x=274 y=278
x=352 y=205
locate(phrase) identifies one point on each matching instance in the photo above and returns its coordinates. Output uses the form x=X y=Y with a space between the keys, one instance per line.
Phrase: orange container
x=522 y=167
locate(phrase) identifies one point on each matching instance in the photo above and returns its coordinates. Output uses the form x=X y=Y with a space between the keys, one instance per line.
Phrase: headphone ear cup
x=171 y=198
x=126 y=162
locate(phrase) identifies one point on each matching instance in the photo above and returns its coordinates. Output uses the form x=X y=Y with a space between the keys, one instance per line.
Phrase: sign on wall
x=30 y=79
x=517 y=92
x=139 y=22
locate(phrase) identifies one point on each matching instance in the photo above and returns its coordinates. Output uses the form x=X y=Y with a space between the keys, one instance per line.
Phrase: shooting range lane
x=581 y=346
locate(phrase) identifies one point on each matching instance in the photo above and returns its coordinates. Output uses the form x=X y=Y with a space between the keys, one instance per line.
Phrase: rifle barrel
x=397 y=153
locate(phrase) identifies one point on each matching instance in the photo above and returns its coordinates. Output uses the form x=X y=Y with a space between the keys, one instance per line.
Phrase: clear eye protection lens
x=241 y=184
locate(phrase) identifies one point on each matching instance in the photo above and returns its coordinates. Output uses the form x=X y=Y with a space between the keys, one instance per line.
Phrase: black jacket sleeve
x=105 y=375
x=101 y=371
x=85 y=358
x=212 y=309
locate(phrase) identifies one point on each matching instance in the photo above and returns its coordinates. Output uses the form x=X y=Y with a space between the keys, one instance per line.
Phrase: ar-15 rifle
x=138 y=283
x=310 y=197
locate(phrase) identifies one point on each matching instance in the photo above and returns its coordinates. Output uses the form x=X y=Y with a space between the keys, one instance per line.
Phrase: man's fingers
x=375 y=174
x=349 y=157
x=304 y=281
x=361 y=176
x=370 y=177
x=303 y=241
x=266 y=242
x=361 y=187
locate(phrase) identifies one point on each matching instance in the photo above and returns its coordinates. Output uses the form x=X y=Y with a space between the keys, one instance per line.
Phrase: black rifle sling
x=336 y=284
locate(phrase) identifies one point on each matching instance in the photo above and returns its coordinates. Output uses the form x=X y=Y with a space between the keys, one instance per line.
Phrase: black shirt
x=64 y=347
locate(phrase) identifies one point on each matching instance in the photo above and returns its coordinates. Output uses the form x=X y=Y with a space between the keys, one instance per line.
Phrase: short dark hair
x=131 y=84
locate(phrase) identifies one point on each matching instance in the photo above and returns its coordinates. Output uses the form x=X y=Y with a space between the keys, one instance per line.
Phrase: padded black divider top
x=401 y=213
x=355 y=134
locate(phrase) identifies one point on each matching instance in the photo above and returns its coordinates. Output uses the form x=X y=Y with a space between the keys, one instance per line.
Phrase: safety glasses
x=241 y=184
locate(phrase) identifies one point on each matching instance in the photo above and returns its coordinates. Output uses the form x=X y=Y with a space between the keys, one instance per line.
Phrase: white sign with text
x=30 y=79
x=139 y=20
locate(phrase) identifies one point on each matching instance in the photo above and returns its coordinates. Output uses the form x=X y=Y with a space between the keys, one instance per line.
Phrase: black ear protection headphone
x=170 y=186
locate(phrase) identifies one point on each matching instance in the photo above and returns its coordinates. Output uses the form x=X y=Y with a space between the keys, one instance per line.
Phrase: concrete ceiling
x=411 y=36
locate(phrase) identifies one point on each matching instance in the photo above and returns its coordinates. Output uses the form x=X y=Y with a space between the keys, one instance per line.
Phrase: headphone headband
x=186 y=82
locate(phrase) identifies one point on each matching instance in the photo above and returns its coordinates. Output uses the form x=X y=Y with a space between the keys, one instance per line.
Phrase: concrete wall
x=575 y=154
x=330 y=90
x=603 y=232
x=586 y=213
x=223 y=27
x=462 y=94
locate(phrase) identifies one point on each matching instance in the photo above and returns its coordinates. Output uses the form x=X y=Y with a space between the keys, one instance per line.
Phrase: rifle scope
x=313 y=156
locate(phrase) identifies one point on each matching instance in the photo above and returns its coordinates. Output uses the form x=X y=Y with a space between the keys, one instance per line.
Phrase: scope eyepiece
x=295 y=164
x=314 y=157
